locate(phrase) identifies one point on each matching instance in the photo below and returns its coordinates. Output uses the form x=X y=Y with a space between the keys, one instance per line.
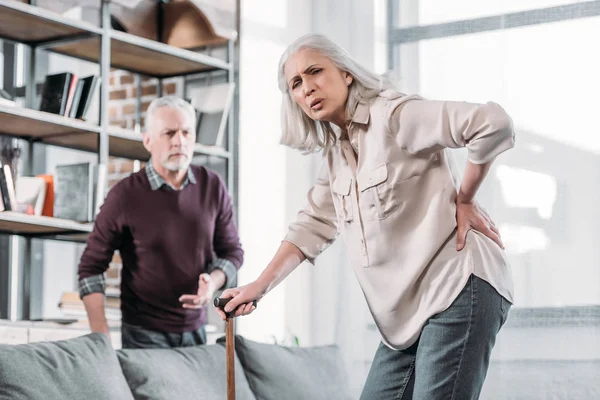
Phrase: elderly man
x=167 y=221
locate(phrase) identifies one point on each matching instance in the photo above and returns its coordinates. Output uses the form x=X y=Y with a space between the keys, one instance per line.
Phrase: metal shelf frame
x=41 y=29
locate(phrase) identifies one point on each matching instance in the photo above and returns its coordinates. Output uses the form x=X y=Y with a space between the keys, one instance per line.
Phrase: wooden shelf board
x=68 y=132
x=123 y=146
x=27 y=123
x=29 y=24
x=142 y=56
x=22 y=224
x=122 y=143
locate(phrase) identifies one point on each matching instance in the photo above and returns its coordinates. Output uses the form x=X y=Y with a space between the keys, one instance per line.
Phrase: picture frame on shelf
x=30 y=194
x=213 y=104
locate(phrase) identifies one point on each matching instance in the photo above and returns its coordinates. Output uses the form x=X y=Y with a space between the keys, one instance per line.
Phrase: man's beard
x=177 y=165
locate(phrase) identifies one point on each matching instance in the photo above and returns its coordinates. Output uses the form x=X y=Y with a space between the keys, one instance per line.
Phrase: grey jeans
x=136 y=337
x=451 y=358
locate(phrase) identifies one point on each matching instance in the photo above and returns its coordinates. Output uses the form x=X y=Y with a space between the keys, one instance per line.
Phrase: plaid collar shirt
x=158 y=182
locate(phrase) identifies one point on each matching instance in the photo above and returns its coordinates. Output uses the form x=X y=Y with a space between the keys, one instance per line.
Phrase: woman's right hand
x=243 y=297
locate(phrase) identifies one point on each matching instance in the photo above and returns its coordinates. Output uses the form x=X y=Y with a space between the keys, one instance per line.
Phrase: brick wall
x=123 y=96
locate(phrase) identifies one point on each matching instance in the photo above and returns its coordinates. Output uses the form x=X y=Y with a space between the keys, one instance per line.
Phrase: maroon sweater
x=166 y=239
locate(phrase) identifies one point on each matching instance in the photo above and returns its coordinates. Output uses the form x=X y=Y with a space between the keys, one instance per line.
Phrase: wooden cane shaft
x=229 y=349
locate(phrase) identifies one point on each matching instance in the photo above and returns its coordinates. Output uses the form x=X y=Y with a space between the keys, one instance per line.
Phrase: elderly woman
x=429 y=260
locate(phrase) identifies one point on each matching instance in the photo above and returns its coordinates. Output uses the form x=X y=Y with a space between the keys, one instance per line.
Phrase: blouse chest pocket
x=377 y=194
x=340 y=189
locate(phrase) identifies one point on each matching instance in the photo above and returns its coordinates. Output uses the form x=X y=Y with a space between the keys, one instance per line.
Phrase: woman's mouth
x=316 y=105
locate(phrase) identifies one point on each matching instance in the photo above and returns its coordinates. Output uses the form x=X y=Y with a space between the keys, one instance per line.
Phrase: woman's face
x=318 y=86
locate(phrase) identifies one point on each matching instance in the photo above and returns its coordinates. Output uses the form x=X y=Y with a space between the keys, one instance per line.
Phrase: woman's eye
x=295 y=84
x=316 y=71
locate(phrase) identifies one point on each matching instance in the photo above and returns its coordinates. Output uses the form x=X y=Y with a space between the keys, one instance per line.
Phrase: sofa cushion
x=85 y=367
x=183 y=373
x=293 y=373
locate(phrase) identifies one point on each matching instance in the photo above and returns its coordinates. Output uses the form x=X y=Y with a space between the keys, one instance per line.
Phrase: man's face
x=171 y=138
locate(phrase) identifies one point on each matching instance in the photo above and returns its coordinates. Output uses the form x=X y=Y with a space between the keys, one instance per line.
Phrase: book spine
x=10 y=184
x=4 y=190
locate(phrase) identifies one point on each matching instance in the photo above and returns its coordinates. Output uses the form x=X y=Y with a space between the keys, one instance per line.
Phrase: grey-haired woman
x=429 y=260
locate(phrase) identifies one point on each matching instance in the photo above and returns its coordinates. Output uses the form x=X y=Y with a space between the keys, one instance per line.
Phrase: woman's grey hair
x=174 y=102
x=299 y=131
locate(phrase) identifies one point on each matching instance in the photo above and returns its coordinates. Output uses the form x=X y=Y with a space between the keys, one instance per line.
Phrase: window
x=536 y=59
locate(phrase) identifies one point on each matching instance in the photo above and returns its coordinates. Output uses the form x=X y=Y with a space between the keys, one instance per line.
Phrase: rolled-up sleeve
x=226 y=241
x=228 y=268
x=486 y=130
x=105 y=238
x=315 y=227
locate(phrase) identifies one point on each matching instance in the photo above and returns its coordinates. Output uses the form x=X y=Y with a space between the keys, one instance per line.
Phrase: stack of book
x=113 y=275
x=72 y=306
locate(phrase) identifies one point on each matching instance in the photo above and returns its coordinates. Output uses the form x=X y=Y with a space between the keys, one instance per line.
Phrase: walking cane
x=229 y=346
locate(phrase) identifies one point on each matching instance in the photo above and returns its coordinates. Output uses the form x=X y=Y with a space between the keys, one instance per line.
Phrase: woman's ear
x=348 y=78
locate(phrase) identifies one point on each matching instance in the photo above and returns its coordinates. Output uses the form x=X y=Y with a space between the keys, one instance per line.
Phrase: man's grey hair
x=299 y=131
x=174 y=102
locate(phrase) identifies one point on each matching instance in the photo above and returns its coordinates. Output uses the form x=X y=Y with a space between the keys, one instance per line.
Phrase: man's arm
x=94 y=306
x=226 y=244
x=101 y=245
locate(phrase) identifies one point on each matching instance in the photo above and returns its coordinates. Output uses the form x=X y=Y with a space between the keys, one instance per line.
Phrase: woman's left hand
x=470 y=215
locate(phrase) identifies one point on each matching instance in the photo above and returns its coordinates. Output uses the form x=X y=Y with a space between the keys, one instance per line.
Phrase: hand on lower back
x=472 y=216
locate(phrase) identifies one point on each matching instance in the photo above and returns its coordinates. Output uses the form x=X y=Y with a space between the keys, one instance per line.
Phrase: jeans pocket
x=504 y=308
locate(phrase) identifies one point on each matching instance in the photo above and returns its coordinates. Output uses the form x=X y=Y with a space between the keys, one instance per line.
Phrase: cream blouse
x=389 y=191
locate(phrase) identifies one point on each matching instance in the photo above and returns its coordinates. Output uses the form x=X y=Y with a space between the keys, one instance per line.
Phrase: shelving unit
x=41 y=29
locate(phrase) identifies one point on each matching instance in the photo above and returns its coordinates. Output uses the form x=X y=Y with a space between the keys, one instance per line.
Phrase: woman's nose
x=308 y=88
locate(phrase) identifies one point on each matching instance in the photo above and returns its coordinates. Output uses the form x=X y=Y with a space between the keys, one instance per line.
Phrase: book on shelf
x=55 y=93
x=88 y=86
x=7 y=189
x=6 y=206
x=71 y=94
x=112 y=291
x=75 y=99
x=74 y=193
x=68 y=95
x=48 y=207
x=212 y=104
x=31 y=194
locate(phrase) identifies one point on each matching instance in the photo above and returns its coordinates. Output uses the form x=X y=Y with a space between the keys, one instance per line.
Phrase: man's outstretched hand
x=206 y=290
